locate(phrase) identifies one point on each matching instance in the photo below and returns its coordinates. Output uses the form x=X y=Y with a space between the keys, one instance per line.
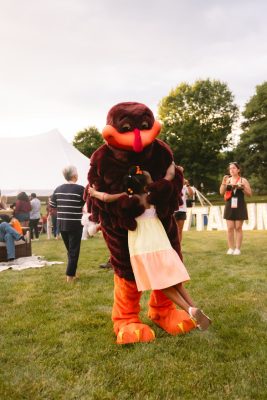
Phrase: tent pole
x=201 y=198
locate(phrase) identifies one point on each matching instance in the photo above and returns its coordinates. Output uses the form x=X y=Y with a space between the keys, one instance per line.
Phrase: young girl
x=235 y=211
x=156 y=265
x=180 y=214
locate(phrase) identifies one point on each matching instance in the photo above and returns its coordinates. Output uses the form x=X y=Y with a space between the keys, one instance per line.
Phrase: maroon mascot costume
x=130 y=136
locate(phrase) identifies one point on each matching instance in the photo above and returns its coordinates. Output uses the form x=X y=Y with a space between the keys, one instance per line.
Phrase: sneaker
x=236 y=252
x=230 y=251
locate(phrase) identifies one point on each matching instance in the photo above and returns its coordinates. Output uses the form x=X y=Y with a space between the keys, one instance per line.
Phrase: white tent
x=35 y=163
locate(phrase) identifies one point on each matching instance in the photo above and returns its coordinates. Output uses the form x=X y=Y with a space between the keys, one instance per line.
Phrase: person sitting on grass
x=156 y=265
x=8 y=235
x=14 y=222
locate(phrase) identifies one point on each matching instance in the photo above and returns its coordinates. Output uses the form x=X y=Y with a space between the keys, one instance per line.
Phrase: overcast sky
x=65 y=63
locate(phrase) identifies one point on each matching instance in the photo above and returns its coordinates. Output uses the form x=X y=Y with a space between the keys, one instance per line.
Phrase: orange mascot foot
x=164 y=313
x=176 y=322
x=134 y=333
x=125 y=314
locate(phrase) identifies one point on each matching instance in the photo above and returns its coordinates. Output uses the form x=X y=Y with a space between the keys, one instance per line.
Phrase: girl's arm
x=246 y=187
x=224 y=184
x=170 y=173
x=189 y=189
x=105 y=197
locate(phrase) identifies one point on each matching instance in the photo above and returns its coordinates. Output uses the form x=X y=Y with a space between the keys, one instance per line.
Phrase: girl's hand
x=225 y=179
x=186 y=182
x=91 y=191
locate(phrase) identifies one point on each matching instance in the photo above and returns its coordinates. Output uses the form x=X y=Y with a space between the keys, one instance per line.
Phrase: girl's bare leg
x=202 y=320
x=230 y=233
x=184 y=293
x=173 y=294
x=239 y=233
x=180 y=225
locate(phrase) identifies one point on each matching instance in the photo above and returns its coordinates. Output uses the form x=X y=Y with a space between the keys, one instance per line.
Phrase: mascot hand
x=160 y=191
x=164 y=195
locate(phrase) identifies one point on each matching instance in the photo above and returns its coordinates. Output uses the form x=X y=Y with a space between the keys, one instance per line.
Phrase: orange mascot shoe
x=126 y=307
x=163 y=312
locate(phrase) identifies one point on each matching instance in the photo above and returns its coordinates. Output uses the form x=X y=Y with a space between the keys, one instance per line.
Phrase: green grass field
x=56 y=340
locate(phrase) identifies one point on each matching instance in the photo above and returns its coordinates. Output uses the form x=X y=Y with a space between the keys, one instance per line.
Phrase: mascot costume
x=130 y=136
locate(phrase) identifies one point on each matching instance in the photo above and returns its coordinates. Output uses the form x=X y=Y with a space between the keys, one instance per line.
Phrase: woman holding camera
x=234 y=188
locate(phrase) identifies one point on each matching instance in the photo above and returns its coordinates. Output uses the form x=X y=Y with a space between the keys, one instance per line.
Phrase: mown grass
x=57 y=341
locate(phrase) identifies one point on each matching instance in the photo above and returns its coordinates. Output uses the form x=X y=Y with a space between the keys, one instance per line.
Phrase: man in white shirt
x=180 y=215
x=34 y=216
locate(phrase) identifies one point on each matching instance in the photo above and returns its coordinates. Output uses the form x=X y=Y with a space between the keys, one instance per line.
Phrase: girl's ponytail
x=135 y=181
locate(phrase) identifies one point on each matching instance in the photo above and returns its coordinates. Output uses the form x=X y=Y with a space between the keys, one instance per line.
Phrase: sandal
x=203 y=321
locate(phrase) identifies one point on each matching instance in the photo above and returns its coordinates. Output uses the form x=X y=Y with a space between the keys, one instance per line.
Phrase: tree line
x=199 y=122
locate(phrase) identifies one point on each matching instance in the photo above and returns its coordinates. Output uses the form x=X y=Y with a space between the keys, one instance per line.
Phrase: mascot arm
x=166 y=195
x=94 y=205
x=122 y=211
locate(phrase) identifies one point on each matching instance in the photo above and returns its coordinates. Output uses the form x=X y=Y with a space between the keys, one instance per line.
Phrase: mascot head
x=130 y=126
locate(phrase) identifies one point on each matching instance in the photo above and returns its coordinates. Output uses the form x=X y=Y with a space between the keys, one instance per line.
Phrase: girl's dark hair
x=23 y=196
x=135 y=181
x=5 y=218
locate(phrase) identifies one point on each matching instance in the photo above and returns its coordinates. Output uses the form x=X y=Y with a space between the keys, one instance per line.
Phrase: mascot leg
x=163 y=312
x=126 y=308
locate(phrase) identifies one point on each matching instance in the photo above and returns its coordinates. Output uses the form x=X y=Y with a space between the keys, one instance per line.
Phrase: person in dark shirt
x=68 y=200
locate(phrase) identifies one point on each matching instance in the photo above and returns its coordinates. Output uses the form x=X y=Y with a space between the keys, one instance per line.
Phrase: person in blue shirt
x=8 y=235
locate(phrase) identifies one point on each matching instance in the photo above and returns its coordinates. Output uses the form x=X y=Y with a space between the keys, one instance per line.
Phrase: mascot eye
x=126 y=128
x=144 y=125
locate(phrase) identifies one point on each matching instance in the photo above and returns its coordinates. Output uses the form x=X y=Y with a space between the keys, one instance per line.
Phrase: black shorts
x=180 y=215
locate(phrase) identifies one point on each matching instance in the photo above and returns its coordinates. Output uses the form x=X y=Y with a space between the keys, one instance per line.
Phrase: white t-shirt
x=183 y=207
x=36 y=207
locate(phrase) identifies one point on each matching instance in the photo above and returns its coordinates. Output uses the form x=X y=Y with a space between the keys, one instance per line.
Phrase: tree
x=88 y=140
x=197 y=123
x=252 y=148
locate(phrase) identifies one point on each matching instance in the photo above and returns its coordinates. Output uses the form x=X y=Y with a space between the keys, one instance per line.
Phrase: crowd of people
x=17 y=218
x=65 y=209
x=26 y=212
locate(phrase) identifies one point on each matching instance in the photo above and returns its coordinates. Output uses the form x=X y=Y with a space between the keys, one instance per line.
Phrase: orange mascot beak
x=134 y=140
